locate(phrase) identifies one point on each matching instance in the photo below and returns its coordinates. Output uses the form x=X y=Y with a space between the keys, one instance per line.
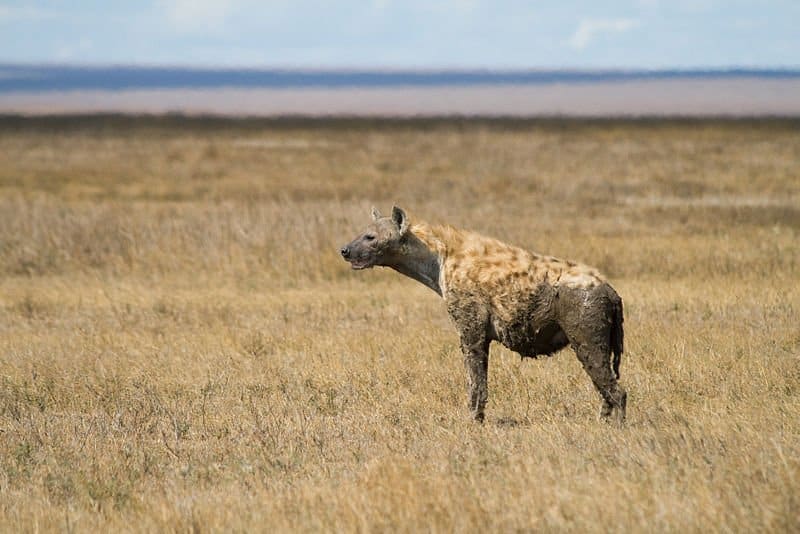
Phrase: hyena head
x=380 y=243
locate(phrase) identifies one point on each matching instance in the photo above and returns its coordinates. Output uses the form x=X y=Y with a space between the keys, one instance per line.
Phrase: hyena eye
x=369 y=237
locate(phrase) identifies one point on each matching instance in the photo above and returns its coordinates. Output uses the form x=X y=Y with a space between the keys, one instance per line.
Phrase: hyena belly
x=531 y=329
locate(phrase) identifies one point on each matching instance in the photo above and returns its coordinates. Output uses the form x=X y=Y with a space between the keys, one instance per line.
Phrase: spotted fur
x=533 y=304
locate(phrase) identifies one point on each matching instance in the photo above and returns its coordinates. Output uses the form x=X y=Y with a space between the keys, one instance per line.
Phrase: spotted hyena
x=533 y=304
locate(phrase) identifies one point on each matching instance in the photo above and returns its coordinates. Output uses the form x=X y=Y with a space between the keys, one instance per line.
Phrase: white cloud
x=25 y=13
x=72 y=51
x=197 y=15
x=588 y=29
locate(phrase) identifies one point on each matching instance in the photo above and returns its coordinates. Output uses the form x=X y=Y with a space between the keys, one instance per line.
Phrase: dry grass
x=182 y=349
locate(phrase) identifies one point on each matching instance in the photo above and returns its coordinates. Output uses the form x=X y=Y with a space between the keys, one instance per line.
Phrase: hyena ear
x=375 y=213
x=400 y=219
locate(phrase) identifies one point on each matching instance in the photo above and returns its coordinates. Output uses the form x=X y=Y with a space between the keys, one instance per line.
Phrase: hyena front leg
x=476 y=360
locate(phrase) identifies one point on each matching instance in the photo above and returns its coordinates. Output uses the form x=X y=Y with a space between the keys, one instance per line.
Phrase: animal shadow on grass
x=511 y=422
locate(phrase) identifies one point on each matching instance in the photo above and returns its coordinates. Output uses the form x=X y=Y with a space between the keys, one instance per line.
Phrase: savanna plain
x=183 y=349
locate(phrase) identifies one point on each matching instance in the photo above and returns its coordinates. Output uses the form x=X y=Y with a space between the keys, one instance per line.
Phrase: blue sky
x=404 y=33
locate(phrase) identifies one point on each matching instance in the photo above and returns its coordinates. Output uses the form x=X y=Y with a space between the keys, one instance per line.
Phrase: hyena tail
x=617 y=335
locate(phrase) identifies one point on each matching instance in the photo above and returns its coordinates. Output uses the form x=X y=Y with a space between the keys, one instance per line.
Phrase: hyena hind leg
x=597 y=363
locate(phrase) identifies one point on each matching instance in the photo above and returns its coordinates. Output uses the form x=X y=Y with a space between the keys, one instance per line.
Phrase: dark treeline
x=101 y=122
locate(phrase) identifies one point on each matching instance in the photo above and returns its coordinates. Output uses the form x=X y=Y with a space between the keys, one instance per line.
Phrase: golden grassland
x=182 y=349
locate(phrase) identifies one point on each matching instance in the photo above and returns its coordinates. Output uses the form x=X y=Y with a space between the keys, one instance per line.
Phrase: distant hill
x=38 y=78
x=51 y=89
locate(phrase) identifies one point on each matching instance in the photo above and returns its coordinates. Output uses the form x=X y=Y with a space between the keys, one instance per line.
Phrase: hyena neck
x=419 y=262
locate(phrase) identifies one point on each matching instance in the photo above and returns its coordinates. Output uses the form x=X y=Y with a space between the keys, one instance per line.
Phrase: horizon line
x=16 y=78
x=392 y=68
